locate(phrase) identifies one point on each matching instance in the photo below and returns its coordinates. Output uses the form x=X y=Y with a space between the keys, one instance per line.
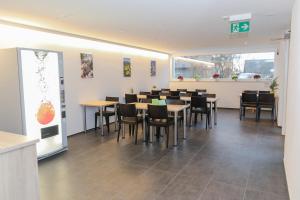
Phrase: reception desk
x=18 y=167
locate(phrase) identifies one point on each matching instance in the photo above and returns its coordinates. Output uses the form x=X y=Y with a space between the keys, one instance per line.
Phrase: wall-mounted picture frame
x=153 y=68
x=87 y=69
x=126 y=67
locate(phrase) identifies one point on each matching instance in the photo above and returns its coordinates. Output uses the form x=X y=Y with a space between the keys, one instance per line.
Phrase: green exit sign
x=240 y=27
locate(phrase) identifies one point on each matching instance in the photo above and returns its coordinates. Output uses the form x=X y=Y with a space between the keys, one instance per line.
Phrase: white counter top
x=11 y=141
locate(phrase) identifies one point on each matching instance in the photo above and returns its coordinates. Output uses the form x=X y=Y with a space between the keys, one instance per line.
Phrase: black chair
x=182 y=90
x=250 y=91
x=264 y=92
x=144 y=93
x=266 y=100
x=201 y=90
x=165 y=93
x=165 y=90
x=193 y=93
x=174 y=93
x=131 y=98
x=128 y=115
x=185 y=94
x=248 y=100
x=199 y=105
x=151 y=96
x=155 y=92
x=158 y=117
x=173 y=97
x=146 y=100
x=108 y=112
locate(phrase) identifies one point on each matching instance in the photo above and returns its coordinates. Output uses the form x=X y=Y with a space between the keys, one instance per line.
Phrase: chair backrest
x=151 y=96
x=185 y=94
x=265 y=98
x=116 y=99
x=157 y=112
x=174 y=93
x=263 y=92
x=165 y=90
x=201 y=90
x=209 y=95
x=155 y=92
x=127 y=110
x=182 y=90
x=174 y=102
x=199 y=102
x=250 y=91
x=249 y=97
x=193 y=93
x=131 y=98
x=173 y=97
x=164 y=93
x=146 y=100
x=144 y=93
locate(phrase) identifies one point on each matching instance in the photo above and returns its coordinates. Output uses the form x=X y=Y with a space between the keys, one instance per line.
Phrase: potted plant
x=197 y=77
x=234 y=77
x=131 y=90
x=274 y=85
x=256 y=76
x=180 y=78
x=216 y=76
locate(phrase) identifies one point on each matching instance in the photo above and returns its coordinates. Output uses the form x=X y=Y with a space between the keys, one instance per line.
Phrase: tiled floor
x=233 y=161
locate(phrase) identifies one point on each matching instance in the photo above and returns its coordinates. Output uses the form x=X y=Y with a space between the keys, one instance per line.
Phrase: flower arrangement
x=234 y=77
x=180 y=78
x=131 y=90
x=256 y=76
x=216 y=76
x=274 y=85
x=154 y=87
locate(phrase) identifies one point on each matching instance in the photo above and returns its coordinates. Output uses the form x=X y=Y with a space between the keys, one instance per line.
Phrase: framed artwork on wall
x=86 y=65
x=126 y=67
x=153 y=68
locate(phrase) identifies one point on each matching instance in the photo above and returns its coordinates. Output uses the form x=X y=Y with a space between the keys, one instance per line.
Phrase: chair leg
x=96 y=117
x=167 y=133
x=195 y=120
x=244 y=111
x=201 y=116
x=129 y=130
x=133 y=130
x=119 y=132
x=190 y=118
x=107 y=123
x=241 y=110
x=136 y=132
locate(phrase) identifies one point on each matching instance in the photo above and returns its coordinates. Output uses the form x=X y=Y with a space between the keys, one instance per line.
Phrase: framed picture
x=153 y=68
x=126 y=67
x=86 y=65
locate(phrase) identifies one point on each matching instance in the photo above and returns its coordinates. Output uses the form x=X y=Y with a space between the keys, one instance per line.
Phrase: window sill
x=224 y=80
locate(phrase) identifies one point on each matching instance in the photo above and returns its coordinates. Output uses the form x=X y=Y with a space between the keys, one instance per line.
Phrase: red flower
x=256 y=76
x=216 y=75
x=180 y=78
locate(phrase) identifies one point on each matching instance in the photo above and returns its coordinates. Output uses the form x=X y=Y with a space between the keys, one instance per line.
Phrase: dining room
x=98 y=103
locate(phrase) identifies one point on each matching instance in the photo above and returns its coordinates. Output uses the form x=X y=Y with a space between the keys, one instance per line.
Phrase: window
x=244 y=66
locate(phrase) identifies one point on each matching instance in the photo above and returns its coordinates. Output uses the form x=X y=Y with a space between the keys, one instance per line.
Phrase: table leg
x=101 y=121
x=175 y=128
x=116 y=121
x=84 y=118
x=184 y=124
x=216 y=112
x=211 y=115
x=144 y=125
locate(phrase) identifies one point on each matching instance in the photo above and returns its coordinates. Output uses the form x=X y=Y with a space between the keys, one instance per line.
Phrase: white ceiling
x=173 y=26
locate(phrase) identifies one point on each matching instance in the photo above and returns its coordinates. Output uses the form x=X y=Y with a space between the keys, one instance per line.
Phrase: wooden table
x=188 y=99
x=171 y=108
x=99 y=104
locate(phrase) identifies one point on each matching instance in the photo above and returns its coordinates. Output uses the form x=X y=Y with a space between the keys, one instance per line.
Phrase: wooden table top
x=98 y=103
x=171 y=108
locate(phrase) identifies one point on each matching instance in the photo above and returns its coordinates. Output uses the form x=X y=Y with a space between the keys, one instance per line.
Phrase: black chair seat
x=254 y=105
x=160 y=122
x=132 y=120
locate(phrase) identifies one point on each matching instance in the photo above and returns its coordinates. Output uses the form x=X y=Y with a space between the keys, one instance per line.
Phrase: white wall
x=227 y=91
x=108 y=80
x=281 y=67
x=292 y=138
